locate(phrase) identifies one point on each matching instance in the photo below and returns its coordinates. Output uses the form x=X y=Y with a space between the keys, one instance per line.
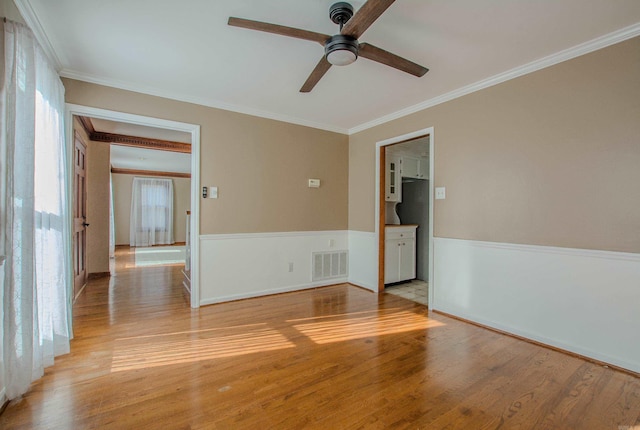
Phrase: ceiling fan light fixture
x=341 y=50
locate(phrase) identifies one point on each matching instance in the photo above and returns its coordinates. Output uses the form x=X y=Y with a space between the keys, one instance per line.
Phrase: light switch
x=440 y=193
x=213 y=192
x=314 y=183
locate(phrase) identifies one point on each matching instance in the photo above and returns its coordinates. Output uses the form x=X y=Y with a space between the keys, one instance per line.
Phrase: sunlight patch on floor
x=152 y=350
x=169 y=349
x=365 y=326
x=159 y=255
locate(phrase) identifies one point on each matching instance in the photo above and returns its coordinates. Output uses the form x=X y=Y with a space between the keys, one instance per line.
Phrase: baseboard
x=98 y=275
x=262 y=293
x=363 y=284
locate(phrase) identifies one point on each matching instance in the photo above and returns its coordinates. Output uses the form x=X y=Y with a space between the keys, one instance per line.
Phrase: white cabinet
x=415 y=167
x=393 y=180
x=399 y=253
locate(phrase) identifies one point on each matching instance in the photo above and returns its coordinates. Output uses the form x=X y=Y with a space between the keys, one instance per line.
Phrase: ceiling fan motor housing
x=340 y=12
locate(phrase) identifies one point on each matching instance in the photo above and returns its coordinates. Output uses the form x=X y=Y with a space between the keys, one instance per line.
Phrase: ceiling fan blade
x=315 y=76
x=364 y=17
x=374 y=53
x=278 y=29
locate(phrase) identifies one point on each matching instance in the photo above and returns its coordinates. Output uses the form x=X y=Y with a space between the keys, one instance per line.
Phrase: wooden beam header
x=133 y=141
x=141 y=142
x=149 y=173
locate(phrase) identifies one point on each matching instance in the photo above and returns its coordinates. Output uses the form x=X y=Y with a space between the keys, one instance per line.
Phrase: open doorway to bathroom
x=405 y=217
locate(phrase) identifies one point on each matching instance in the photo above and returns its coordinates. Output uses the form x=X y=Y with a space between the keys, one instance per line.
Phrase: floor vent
x=329 y=265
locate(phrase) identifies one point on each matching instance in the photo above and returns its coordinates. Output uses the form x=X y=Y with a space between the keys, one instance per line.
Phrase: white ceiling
x=185 y=50
x=127 y=157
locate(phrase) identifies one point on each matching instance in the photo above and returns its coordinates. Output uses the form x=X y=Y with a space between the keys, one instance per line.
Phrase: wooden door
x=79 y=215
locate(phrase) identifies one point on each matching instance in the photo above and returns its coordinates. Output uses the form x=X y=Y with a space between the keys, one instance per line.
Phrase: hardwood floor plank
x=334 y=357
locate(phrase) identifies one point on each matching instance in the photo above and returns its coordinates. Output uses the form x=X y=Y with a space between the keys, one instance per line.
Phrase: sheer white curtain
x=151 y=212
x=33 y=208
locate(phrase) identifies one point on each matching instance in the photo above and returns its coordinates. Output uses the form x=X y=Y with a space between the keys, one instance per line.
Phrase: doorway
x=389 y=157
x=194 y=132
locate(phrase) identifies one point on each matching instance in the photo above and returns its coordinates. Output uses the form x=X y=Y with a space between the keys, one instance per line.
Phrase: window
x=151 y=212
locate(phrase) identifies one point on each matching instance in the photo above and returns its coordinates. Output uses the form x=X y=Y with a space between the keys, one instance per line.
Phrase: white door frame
x=194 y=130
x=425 y=131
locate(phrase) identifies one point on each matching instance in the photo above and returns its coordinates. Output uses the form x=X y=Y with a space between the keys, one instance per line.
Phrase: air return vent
x=329 y=265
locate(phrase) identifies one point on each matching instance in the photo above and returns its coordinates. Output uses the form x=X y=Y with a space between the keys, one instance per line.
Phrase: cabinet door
x=410 y=167
x=392 y=260
x=423 y=169
x=407 y=263
x=393 y=183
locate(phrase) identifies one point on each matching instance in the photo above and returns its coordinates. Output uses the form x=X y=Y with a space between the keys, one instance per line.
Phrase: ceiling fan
x=343 y=48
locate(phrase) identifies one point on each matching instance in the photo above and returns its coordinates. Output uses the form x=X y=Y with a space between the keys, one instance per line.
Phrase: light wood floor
x=331 y=358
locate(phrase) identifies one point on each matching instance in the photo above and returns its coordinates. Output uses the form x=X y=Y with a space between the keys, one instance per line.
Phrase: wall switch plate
x=314 y=183
x=213 y=192
x=440 y=193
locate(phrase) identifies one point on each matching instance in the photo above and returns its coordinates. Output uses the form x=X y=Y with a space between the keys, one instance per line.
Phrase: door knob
x=85 y=224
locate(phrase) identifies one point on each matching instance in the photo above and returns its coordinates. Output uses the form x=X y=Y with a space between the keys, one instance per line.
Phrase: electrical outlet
x=331 y=243
x=440 y=193
x=291 y=266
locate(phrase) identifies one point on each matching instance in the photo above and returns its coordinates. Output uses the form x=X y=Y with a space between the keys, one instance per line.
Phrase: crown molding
x=564 y=55
x=72 y=74
x=30 y=17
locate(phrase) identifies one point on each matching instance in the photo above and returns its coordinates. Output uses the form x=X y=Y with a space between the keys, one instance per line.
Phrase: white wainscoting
x=582 y=301
x=363 y=259
x=238 y=266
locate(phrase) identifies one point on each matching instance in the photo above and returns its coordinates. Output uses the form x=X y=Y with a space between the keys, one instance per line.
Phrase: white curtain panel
x=151 y=212
x=33 y=207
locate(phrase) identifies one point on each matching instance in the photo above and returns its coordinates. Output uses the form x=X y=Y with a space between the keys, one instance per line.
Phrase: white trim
x=550 y=60
x=288 y=289
x=194 y=130
x=227 y=236
x=397 y=139
x=202 y=101
x=578 y=252
x=612 y=38
x=30 y=17
x=365 y=234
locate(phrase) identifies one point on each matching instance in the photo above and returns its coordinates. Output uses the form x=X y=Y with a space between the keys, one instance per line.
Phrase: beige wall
x=122 y=189
x=260 y=166
x=550 y=158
